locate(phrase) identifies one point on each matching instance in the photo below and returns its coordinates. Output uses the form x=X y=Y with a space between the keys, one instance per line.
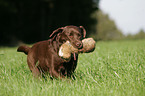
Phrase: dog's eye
x=71 y=35
x=79 y=35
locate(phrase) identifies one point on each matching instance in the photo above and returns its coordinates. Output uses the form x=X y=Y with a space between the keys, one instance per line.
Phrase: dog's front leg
x=53 y=72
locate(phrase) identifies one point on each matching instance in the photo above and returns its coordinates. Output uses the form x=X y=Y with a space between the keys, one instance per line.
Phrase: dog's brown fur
x=43 y=56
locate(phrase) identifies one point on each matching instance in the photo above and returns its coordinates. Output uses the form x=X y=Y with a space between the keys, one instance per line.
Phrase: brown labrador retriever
x=43 y=56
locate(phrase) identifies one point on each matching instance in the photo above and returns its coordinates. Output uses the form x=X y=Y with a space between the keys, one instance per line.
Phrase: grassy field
x=115 y=68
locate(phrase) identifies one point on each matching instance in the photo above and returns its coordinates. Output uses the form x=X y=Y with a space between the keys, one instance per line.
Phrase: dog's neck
x=56 y=45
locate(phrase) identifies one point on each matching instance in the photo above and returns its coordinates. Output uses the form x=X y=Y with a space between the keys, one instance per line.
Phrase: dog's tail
x=23 y=48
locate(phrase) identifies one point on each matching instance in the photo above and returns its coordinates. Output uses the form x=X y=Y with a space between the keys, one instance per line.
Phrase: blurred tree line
x=139 y=35
x=106 y=28
x=30 y=21
x=34 y=20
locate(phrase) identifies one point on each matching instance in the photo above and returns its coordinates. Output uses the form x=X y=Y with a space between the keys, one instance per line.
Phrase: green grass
x=115 y=68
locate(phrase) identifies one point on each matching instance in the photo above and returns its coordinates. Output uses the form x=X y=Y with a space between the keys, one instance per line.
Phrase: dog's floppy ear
x=83 y=31
x=55 y=32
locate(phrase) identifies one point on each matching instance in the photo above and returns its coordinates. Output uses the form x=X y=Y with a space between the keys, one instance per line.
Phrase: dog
x=42 y=57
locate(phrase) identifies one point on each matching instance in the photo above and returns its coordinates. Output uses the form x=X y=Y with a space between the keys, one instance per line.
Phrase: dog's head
x=73 y=34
